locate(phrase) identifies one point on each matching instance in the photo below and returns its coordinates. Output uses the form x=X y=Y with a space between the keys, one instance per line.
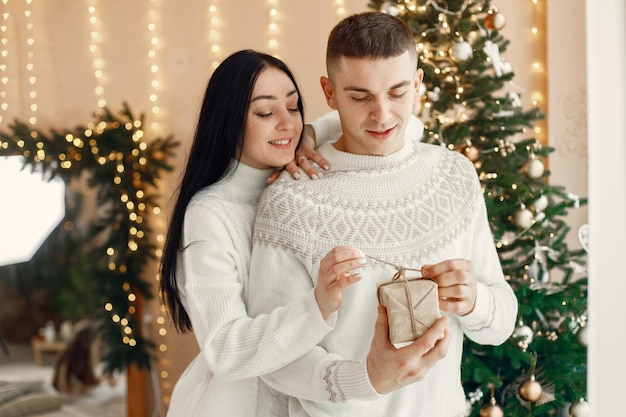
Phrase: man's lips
x=381 y=134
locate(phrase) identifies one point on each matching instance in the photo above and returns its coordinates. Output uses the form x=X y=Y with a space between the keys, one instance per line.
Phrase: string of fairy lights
x=340 y=9
x=98 y=67
x=30 y=95
x=273 y=28
x=4 y=55
x=95 y=51
x=30 y=64
x=538 y=30
x=153 y=60
x=214 y=36
x=22 y=49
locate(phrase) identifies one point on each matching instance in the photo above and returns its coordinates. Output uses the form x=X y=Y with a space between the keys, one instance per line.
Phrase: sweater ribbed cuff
x=483 y=312
x=313 y=310
x=355 y=383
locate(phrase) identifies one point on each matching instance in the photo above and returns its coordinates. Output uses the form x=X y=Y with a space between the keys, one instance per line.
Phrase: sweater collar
x=245 y=182
x=340 y=160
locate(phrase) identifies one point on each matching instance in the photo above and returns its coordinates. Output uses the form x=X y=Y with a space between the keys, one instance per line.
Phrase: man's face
x=375 y=99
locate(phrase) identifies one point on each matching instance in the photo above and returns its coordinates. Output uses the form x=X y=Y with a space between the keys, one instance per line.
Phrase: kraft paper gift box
x=412 y=306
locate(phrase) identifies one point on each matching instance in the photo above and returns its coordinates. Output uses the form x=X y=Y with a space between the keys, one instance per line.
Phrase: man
x=402 y=202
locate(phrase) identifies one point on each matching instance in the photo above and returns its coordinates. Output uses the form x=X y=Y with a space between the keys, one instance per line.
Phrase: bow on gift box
x=412 y=304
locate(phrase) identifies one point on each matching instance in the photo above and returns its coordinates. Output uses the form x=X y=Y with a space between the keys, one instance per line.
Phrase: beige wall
x=567 y=105
x=65 y=80
x=606 y=66
x=560 y=49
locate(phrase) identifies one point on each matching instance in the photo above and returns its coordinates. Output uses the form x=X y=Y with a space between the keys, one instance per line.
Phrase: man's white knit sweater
x=213 y=276
x=420 y=205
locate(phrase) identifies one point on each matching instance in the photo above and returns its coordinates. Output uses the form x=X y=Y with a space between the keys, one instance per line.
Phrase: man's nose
x=380 y=111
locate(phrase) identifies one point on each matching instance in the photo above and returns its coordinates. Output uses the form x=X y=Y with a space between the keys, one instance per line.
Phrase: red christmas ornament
x=495 y=20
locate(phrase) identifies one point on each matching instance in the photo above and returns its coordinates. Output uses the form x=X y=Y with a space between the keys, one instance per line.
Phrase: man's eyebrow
x=271 y=97
x=365 y=90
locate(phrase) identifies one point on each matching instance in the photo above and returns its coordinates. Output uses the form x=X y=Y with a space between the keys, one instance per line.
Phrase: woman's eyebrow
x=272 y=97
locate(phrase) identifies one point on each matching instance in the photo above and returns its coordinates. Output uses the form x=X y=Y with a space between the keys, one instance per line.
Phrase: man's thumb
x=382 y=323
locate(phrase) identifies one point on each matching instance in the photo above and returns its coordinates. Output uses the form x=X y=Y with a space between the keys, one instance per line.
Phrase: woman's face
x=274 y=123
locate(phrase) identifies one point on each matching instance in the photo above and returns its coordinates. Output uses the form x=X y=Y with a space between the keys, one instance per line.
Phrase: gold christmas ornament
x=492 y=409
x=531 y=390
x=471 y=152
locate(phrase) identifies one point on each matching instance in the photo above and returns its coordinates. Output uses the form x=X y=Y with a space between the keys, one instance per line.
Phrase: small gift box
x=412 y=306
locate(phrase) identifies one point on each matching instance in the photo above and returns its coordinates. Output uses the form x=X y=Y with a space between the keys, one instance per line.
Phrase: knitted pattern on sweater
x=402 y=213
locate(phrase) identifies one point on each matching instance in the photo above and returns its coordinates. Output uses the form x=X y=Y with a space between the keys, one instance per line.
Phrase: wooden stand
x=136 y=399
x=40 y=346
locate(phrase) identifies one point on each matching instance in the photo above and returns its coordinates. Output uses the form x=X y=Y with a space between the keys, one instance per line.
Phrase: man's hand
x=390 y=368
x=341 y=267
x=304 y=155
x=456 y=280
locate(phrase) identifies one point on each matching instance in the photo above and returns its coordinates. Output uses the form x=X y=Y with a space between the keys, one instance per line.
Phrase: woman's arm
x=234 y=345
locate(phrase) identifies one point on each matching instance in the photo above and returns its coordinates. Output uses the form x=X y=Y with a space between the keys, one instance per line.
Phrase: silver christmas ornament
x=579 y=409
x=422 y=90
x=523 y=218
x=541 y=203
x=523 y=334
x=534 y=168
x=389 y=8
x=538 y=272
x=434 y=95
x=461 y=51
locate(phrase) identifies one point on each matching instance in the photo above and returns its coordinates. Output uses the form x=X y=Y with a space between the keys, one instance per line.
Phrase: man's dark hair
x=371 y=35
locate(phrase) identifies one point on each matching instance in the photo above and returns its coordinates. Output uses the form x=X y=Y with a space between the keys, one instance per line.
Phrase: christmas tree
x=541 y=370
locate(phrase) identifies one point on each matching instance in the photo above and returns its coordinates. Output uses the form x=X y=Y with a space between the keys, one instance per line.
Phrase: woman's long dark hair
x=217 y=141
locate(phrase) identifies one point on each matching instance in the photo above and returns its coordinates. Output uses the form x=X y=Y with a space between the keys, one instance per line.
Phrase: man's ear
x=419 y=76
x=329 y=92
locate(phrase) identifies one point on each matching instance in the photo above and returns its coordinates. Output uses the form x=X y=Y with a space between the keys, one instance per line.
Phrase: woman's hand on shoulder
x=305 y=155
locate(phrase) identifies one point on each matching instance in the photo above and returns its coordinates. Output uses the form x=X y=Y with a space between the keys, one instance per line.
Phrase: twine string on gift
x=400 y=274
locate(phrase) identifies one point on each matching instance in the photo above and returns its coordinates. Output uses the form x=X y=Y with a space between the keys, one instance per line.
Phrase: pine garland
x=124 y=170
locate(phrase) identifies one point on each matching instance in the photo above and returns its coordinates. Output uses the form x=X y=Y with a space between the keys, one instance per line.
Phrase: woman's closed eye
x=271 y=113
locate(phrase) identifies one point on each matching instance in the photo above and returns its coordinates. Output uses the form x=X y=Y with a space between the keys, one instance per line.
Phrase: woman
x=250 y=122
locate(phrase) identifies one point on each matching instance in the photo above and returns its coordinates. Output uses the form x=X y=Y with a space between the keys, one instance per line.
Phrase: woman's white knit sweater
x=420 y=205
x=212 y=277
